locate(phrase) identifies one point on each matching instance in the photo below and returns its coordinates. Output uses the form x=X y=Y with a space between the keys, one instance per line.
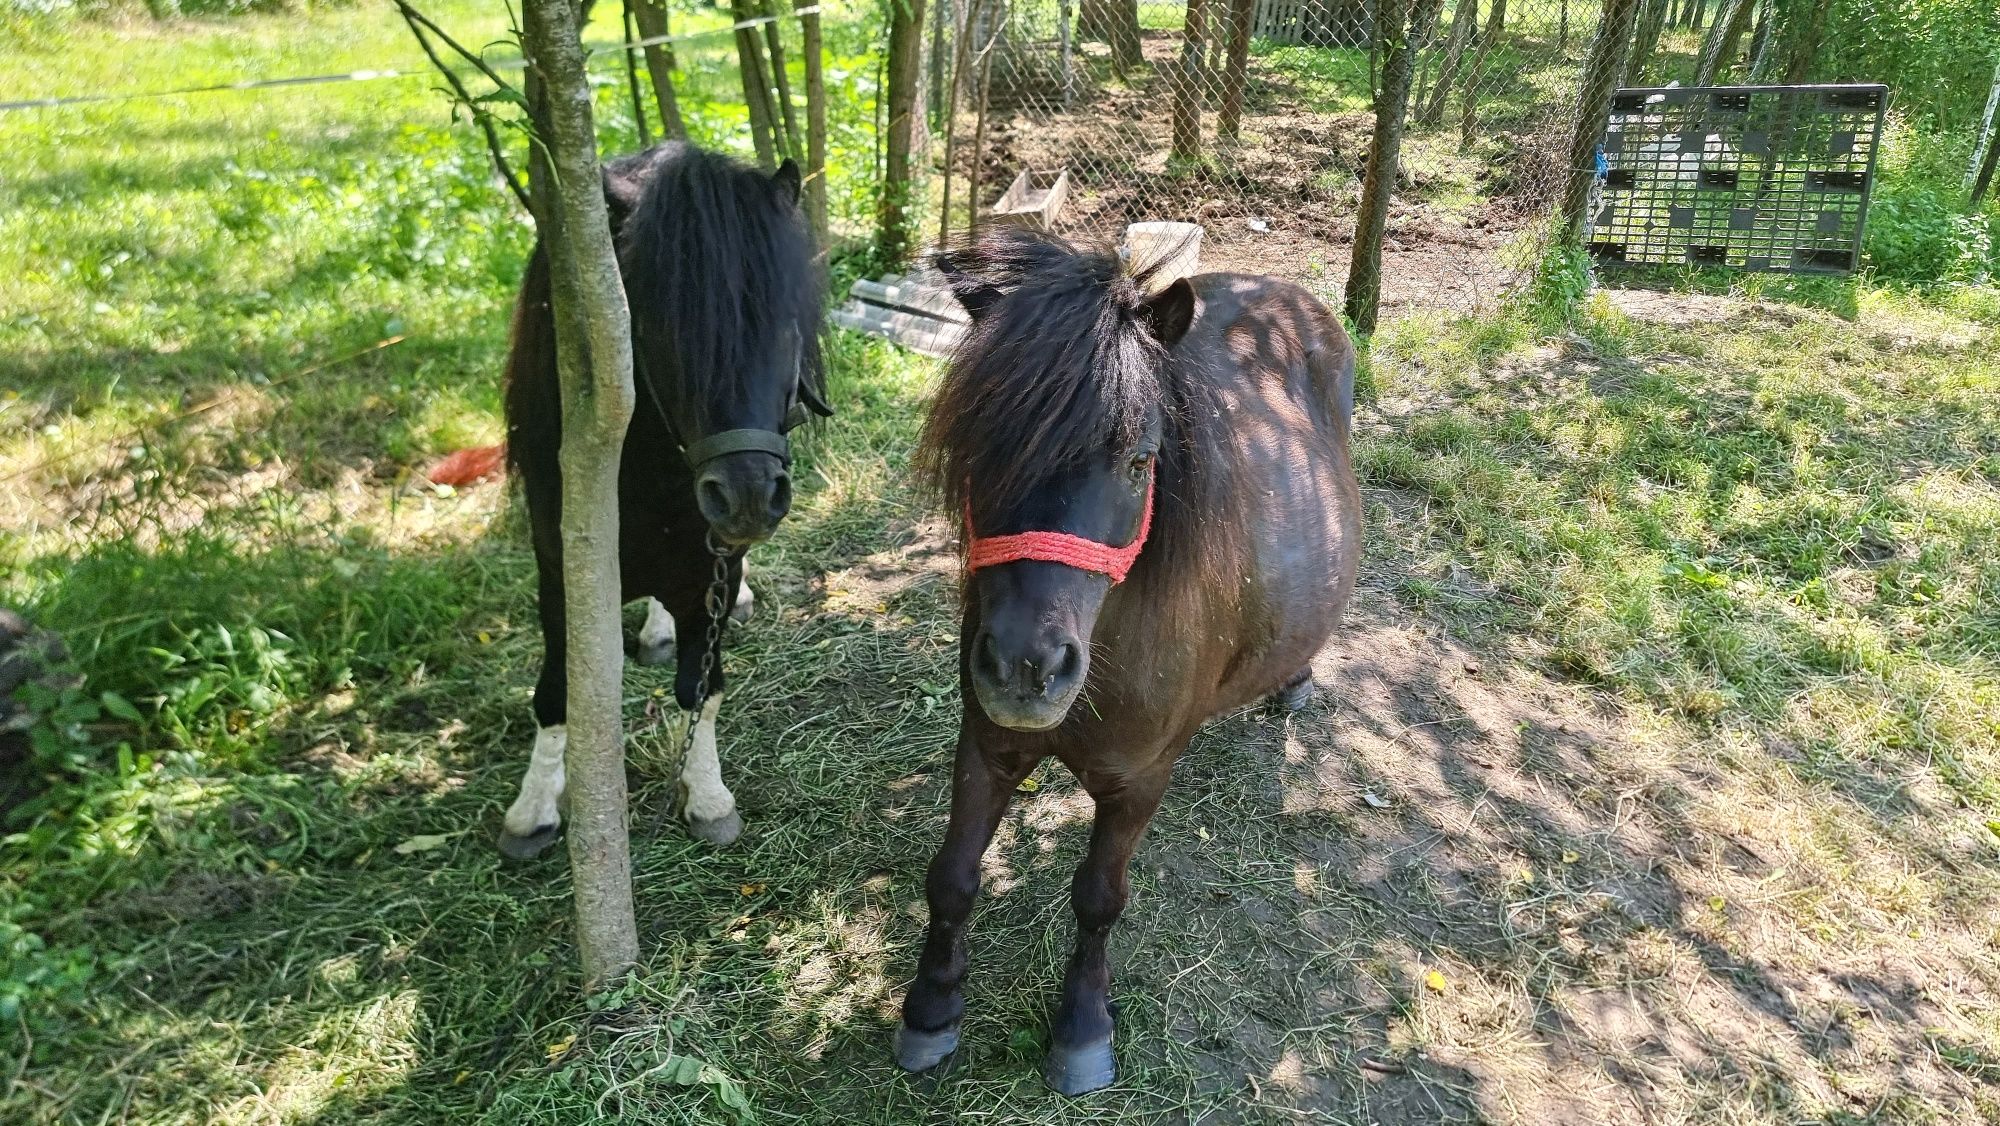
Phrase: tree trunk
x=632 y=81
x=893 y=227
x=815 y=60
x=1115 y=22
x=1718 y=48
x=1187 y=86
x=1600 y=78
x=1496 y=22
x=1652 y=21
x=1805 y=45
x=756 y=87
x=1400 y=33
x=1464 y=18
x=651 y=16
x=594 y=360
x=781 y=81
x=1236 y=70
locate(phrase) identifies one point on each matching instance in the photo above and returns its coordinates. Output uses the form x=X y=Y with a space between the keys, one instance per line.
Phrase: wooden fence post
x=594 y=360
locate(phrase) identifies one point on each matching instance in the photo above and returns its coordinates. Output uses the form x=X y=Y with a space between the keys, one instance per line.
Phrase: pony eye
x=1142 y=463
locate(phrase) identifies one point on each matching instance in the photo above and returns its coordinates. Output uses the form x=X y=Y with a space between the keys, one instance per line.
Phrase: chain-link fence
x=1253 y=118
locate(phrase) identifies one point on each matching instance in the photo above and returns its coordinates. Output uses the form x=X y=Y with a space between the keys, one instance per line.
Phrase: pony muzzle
x=1030 y=657
x=744 y=496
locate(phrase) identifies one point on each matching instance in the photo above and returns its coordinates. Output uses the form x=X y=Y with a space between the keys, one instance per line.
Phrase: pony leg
x=711 y=808
x=534 y=819
x=980 y=789
x=746 y=602
x=656 y=637
x=1296 y=692
x=1080 y=1057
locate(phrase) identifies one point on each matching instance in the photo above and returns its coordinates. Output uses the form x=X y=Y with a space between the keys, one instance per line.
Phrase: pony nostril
x=1067 y=663
x=986 y=659
x=713 y=499
x=781 y=497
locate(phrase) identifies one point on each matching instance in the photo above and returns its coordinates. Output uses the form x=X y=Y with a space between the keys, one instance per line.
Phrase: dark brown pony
x=1227 y=399
x=726 y=299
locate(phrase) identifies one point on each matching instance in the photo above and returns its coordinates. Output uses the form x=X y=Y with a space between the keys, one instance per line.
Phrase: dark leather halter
x=728 y=442
x=749 y=440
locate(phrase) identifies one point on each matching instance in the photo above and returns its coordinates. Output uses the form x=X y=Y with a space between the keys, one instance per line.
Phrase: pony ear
x=975 y=293
x=1168 y=313
x=788 y=180
x=621 y=195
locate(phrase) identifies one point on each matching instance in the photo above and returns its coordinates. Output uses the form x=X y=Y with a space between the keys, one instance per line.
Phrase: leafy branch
x=420 y=25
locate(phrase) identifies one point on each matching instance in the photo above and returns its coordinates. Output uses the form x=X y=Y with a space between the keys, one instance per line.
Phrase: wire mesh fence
x=1253 y=119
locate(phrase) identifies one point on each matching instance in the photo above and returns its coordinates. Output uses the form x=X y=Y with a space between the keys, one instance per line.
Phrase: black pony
x=1163 y=525
x=726 y=300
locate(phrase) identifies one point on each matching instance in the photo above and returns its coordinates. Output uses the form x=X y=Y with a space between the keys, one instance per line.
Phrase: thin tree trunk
x=1468 y=102
x=781 y=80
x=1562 y=27
x=594 y=361
x=1236 y=70
x=1652 y=21
x=1718 y=49
x=1187 y=89
x=1496 y=22
x=1805 y=44
x=815 y=61
x=974 y=178
x=893 y=231
x=1115 y=22
x=1464 y=18
x=961 y=39
x=632 y=81
x=756 y=88
x=1400 y=34
x=651 y=16
x=1600 y=78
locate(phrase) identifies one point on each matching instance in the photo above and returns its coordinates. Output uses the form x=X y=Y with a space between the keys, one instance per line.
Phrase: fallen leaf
x=424 y=843
x=1717 y=902
x=751 y=889
x=484 y=637
x=460 y=1078
x=1028 y=785
x=1434 y=981
x=560 y=1048
x=1201 y=831
x=1570 y=857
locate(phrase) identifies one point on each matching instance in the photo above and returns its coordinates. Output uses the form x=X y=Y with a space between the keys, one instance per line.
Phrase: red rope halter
x=1059 y=547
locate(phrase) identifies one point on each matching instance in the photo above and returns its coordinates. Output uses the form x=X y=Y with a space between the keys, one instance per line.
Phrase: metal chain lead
x=716 y=602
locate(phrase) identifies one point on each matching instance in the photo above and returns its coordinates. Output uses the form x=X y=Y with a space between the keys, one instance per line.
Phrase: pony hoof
x=921 y=1051
x=721 y=832
x=1080 y=1069
x=514 y=846
x=1295 y=696
x=740 y=613
x=655 y=656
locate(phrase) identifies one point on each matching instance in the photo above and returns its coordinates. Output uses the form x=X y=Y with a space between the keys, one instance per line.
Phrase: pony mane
x=1058 y=367
x=717 y=261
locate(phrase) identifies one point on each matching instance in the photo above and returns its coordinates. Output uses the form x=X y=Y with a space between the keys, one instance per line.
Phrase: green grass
x=1673 y=666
